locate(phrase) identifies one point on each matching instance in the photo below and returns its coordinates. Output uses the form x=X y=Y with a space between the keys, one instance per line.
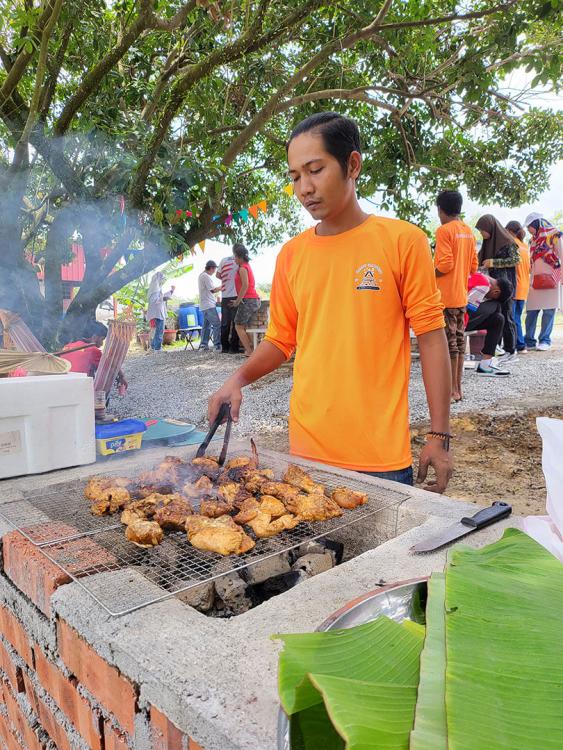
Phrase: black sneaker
x=491 y=372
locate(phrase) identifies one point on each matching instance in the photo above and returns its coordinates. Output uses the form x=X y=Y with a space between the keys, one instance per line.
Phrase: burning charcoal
x=268 y=568
x=319 y=547
x=199 y=597
x=232 y=591
x=276 y=585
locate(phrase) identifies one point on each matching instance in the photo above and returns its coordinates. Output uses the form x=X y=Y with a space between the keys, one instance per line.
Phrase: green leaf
x=369 y=716
x=311 y=724
x=430 y=727
x=379 y=651
x=504 y=639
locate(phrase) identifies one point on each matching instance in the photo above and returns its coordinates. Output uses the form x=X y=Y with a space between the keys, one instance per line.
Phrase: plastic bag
x=548 y=530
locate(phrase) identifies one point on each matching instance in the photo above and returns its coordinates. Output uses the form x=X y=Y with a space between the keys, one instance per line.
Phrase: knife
x=485 y=517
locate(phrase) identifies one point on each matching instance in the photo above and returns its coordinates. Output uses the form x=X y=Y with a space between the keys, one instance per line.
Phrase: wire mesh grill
x=121 y=577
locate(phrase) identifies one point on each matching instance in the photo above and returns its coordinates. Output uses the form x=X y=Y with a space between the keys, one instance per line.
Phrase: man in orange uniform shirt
x=522 y=282
x=343 y=296
x=455 y=260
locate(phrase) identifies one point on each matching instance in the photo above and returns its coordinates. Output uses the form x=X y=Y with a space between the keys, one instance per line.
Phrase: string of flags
x=241 y=215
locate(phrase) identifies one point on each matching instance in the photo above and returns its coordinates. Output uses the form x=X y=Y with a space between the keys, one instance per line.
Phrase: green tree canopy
x=115 y=115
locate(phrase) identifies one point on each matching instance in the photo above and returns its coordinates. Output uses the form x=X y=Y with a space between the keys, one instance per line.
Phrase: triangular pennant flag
x=202 y=246
x=288 y=189
x=228 y=220
x=263 y=206
x=254 y=210
x=244 y=214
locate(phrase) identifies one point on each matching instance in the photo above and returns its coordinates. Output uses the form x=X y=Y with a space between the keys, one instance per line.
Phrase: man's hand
x=434 y=454
x=229 y=393
x=234 y=303
x=488 y=263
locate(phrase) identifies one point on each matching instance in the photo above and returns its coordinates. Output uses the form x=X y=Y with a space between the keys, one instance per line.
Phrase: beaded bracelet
x=445 y=436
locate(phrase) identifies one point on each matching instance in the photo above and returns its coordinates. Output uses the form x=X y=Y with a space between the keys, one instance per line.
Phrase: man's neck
x=447 y=219
x=350 y=217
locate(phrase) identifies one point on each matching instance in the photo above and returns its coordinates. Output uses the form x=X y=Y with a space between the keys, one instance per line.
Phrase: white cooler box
x=46 y=422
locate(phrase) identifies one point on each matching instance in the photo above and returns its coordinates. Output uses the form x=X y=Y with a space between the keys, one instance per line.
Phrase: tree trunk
x=56 y=251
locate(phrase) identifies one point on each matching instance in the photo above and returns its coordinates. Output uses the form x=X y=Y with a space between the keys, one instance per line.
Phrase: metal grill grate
x=121 y=577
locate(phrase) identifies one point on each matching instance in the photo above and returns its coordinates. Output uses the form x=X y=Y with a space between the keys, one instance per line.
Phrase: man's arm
x=436 y=374
x=265 y=358
x=443 y=255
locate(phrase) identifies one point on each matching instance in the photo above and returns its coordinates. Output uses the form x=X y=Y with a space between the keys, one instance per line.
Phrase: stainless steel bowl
x=405 y=600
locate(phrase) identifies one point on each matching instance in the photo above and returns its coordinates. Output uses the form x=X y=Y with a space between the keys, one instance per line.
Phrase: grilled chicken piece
x=252 y=507
x=174 y=515
x=349 y=499
x=254 y=480
x=206 y=461
x=264 y=526
x=144 y=534
x=165 y=473
x=147 y=507
x=214 y=508
x=221 y=535
x=207 y=466
x=315 y=507
x=298 y=477
x=110 y=501
x=130 y=516
x=199 y=488
x=281 y=490
x=144 y=490
x=233 y=493
x=98 y=485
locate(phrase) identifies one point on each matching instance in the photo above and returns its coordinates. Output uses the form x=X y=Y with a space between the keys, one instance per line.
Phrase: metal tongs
x=224 y=414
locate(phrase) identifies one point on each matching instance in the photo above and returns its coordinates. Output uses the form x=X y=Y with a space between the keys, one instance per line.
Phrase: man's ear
x=354 y=165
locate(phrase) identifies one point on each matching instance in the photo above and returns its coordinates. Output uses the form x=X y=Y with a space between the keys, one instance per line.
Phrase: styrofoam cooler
x=46 y=422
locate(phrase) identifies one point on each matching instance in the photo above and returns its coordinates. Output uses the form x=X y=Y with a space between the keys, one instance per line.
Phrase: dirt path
x=498 y=457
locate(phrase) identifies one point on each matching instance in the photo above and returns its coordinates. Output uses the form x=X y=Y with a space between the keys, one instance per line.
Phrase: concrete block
x=199 y=597
x=313 y=564
x=264 y=569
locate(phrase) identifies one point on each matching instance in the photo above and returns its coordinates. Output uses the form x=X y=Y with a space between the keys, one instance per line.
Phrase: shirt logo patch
x=368 y=278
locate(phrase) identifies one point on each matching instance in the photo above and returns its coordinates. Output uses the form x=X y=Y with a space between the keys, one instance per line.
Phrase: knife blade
x=467 y=525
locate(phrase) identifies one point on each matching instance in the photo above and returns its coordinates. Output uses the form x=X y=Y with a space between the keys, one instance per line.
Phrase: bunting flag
x=263 y=206
x=202 y=246
x=288 y=189
x=243 y=213
x=229 y=219
x=254 y=210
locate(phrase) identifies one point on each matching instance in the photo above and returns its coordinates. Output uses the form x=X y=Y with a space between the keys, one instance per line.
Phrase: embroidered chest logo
x=368 y=277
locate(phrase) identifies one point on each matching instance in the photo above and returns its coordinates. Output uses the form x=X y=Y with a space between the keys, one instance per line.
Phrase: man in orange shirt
x=343 y=296
x=522 y=282
x=454 y=260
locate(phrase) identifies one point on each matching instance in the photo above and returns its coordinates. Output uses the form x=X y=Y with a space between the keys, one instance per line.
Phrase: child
x=87 y=359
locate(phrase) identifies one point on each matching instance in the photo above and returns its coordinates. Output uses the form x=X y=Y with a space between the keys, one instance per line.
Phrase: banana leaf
x=504 y=647
x=430 y=728
x=361 y=682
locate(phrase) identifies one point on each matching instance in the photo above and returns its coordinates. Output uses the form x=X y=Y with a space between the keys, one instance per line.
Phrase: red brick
x=19 y=720
x=164 y=734
x=115 y=693
x=6 y=732
x=14 y=633
x=113 y=740
x=31 y=571
x=50 y=724
x=193 y=745
x=12 y=670
x=75 y=707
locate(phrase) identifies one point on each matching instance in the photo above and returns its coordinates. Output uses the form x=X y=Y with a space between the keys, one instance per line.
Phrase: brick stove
x=168 y=676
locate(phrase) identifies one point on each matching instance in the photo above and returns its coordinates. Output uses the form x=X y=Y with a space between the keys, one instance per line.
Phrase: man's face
x=318 y=180
x=211 y=270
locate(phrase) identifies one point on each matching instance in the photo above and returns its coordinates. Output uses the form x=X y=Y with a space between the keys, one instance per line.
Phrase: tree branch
x=347 y=94
x=94 y=77
x=452 y=17
x=177 y=20
x=54 y=71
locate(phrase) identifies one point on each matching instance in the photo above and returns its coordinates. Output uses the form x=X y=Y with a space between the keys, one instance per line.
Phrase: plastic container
x=46 y=423
x=118 y=437
x=187 y=317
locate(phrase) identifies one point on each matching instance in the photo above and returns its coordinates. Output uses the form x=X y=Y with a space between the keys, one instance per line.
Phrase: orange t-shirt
x=522 y=271
x=456 y=257
x=345 y=302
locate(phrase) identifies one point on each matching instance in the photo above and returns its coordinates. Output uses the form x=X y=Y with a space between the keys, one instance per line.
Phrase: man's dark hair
x=506 y=289
x=450 y=201
x=340 y=135
x=210 y=264
x=93 y=328
x=241 y=252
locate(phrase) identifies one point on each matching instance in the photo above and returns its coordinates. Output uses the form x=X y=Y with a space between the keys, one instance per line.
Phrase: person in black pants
x=226 y=272
x=488 y=316
x=499 y=254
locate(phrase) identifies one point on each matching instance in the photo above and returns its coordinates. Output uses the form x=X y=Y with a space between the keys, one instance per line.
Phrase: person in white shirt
x=227 y=271
x=157 y=299
x=207 y=305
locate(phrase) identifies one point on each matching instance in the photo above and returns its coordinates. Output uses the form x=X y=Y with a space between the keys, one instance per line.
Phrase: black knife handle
x=496 y=512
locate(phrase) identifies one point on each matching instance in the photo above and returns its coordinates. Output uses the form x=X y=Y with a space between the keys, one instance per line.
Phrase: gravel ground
x=174 y=383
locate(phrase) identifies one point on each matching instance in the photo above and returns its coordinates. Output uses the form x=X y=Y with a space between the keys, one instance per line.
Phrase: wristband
x=444 y=436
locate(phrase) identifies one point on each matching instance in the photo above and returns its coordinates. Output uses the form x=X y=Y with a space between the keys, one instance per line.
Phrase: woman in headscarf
x=499 y=255
x=157 y=308
x=522 y=281
x=546 y=253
